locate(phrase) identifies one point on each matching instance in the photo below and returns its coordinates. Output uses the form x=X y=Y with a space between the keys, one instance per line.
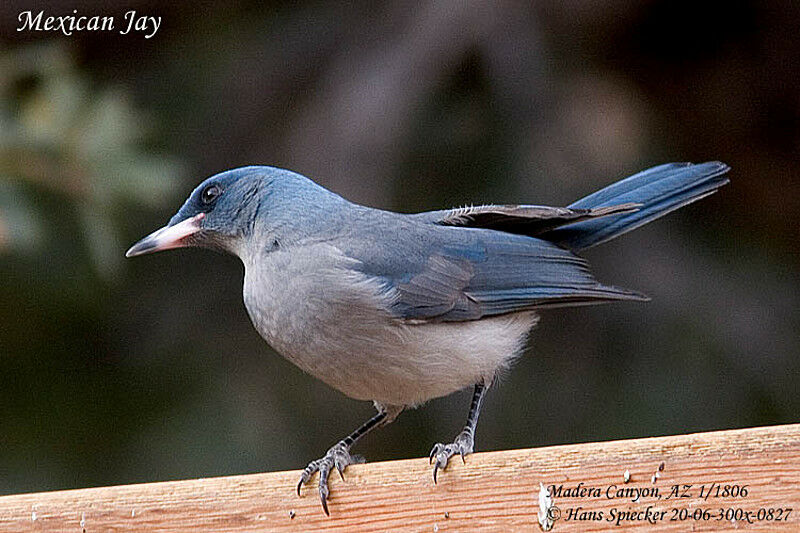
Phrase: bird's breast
x=333 y=321
x=316 y=310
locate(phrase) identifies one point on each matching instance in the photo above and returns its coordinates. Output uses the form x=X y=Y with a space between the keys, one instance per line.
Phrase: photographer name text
x=718 y=502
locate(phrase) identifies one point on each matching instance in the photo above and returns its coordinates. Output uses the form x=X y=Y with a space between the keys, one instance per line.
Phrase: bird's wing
x=456 y=274
x=530 y=220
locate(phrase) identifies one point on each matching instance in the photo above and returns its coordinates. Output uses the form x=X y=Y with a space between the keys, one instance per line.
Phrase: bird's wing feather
x=601 y=216
x=530 y=220
x=456 y=274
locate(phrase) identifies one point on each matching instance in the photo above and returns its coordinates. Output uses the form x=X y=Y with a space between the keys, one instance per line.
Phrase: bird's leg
x=339 y=454
x=465 y=441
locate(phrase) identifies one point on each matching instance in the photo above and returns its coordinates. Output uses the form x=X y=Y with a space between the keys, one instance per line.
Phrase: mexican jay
x=396 y=308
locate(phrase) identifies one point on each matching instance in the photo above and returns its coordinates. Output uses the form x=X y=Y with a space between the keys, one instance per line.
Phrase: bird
x=401 y=308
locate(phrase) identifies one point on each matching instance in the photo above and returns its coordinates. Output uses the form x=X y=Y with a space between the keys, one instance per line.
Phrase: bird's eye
x=210 y=193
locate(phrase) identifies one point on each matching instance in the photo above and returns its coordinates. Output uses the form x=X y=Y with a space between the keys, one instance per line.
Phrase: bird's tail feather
x=659 y=190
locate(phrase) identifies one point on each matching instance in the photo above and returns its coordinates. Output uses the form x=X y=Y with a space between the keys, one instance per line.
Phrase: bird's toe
x=441 y=453
x=337 y=457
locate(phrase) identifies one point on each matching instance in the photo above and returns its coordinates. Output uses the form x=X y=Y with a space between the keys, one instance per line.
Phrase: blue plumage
x=484 y=261
x=659 y=190
x=454 y=274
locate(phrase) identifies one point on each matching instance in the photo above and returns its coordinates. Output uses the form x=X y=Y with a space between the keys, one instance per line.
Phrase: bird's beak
x=167 y=237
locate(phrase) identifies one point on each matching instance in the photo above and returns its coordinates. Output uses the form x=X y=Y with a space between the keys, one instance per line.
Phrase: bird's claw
x=463 y=445
x=338 y=457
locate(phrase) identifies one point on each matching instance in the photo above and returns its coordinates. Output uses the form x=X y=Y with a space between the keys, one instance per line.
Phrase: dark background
x=119 y=371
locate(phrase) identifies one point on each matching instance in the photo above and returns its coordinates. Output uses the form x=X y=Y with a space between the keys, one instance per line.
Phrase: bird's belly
x=334 y=324
x=398 y=364
x=404 y=364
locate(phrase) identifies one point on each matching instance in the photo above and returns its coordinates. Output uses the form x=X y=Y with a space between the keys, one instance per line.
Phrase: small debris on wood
x=626 y=476
x=548 y=512
x=658 y=472
x=447 y=514
x=292 y=514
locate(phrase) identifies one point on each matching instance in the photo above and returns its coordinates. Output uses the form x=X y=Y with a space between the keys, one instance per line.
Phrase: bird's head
x=225 y=210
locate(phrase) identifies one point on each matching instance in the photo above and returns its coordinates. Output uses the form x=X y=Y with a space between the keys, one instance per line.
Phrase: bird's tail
x=658 y=190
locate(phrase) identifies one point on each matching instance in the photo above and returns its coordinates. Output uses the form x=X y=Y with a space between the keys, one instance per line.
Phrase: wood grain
x=495 y=491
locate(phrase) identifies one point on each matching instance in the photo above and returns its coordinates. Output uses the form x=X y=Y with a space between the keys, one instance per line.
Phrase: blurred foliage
x=61 y=136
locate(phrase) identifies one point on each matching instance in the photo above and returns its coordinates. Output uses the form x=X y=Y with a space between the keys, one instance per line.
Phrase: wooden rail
x=736 y=480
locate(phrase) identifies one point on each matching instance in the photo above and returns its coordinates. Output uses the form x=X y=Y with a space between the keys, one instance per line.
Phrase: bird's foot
x=441 y=453
x=338 y=456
